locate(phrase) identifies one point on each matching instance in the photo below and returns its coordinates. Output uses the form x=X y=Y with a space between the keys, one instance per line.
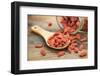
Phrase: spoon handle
x=40 y=31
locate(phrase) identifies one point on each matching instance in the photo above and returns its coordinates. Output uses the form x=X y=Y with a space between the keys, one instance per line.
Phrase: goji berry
x=43 y=52
x=61 y=53
x=82 y=53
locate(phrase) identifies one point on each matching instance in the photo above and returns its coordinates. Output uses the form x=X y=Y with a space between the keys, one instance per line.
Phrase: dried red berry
x=49 y=24
x=82 y=53
x=61 y=53
x=43 y=52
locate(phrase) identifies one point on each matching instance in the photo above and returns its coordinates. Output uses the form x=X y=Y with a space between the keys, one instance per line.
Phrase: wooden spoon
x=46 y=35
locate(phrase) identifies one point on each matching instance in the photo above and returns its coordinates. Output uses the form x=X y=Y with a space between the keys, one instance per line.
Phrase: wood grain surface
x=33 y=39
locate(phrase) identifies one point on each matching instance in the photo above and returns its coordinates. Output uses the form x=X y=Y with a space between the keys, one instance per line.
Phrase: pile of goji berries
x=71 y=24
x=60 y=39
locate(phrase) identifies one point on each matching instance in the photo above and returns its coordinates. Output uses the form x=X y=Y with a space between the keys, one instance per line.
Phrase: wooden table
x=33 y=39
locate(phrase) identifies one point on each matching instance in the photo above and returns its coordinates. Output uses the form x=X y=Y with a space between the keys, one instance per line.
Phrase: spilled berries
x=62 y=38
